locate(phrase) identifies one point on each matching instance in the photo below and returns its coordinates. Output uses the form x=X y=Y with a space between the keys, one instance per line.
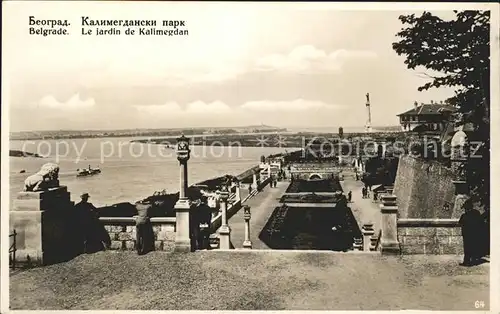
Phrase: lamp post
x=247 y=244
x=183 y=205
x=224 y=230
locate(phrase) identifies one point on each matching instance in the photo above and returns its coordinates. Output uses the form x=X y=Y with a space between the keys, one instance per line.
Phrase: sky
x=241 y=64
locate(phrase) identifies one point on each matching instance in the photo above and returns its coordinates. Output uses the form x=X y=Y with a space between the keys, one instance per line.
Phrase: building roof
x=428 y=109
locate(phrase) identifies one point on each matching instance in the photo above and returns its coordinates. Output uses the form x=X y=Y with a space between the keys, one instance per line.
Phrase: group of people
x=365 y=191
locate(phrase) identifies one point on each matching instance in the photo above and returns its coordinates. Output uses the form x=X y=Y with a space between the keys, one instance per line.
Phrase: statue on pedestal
x=44 y=179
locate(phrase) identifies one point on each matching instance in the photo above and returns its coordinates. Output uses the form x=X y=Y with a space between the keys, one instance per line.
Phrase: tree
x=460 y=50
x=341 y=132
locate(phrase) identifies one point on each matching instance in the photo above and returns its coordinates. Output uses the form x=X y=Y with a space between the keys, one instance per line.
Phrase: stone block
x=402 y=231
x=116 y=245
x=412 y=249
x=444 y=231
x=129 y=245
x=168 y=246
x=156 y=229
x=108 y=228
x=167 y=227
x=412 y=240
x=165 y=235
x=450 y=249
x=126 y=236
x=43 y=237
x=432 y=248
x=114 y=228
x=443 y=240
x=130 y=229
x=456 y=241
x=456 y=231
x=113 y=235
x=421 y=231
x=159 y=245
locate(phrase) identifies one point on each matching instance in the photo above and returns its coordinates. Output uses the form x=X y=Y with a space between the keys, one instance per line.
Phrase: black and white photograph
x=230 y=156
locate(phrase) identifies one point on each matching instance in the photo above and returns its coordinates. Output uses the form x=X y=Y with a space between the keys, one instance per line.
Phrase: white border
x=364 y=6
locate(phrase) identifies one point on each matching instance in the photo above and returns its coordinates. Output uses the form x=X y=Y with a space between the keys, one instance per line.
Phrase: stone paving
x=261 y=206
x=364 y=209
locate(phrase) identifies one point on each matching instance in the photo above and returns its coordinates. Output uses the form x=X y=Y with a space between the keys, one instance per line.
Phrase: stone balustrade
x=122 y=232
x=430 y=236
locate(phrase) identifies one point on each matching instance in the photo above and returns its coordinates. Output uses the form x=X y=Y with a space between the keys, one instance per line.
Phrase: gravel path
x=251 y=280
x=261 y=206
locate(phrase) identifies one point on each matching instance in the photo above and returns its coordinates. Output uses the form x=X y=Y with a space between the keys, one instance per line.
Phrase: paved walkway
x=261 y=206
x=364 y=209
x=252 y=280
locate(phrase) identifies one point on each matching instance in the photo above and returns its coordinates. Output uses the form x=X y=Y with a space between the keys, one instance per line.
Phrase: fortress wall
x=424 y=189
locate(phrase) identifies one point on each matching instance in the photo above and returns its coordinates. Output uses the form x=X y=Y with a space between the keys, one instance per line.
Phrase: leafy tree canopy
x=460 y=50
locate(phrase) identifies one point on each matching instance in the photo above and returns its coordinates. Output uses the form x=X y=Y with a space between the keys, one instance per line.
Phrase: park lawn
x=251 y=280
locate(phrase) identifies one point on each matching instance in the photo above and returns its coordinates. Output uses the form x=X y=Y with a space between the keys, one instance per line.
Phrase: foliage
x=380 y=171
x=460 y=50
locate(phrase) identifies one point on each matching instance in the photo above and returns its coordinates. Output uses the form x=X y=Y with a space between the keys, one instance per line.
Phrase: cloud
x=199 y=107
x=194 y=108
x=298 y=105
x=308 y=58
x=74 y=103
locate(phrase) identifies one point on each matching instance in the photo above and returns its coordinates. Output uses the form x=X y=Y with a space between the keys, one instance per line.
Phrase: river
x=130 y=171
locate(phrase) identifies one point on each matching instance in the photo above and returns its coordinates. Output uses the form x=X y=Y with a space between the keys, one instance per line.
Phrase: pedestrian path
x=364 y=209
x=261 y=206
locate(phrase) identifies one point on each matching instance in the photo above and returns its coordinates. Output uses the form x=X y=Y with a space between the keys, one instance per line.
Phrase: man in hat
x=471 y=223
x=84 y=203
x=87 y=214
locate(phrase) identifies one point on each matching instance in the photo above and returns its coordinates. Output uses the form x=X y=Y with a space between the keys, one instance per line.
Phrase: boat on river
x=88 y=172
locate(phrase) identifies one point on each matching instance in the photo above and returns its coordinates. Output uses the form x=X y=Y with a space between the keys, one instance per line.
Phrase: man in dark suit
x=471 y=223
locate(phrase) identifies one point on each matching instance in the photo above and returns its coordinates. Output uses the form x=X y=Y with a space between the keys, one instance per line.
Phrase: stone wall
x=122 y=232
x=430 y=236
x=424 y=189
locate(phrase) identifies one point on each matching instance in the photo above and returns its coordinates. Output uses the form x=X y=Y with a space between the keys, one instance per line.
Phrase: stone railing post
x=237 y=193
x=389 y=241
x=224 y=230
x=254 y=182
x=247 y=244
x=368 y=232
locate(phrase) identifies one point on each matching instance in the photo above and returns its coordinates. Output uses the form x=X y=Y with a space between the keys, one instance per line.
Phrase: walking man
x=349 y=196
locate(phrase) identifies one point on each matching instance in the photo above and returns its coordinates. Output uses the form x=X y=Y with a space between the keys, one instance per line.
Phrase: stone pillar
x=183 y=242
x=247 y=244
x=389 y=241
x=224 y=230
x=356 y=164
x=254 y=183
x=367 y=231
x=44 y=222
x=384 y=149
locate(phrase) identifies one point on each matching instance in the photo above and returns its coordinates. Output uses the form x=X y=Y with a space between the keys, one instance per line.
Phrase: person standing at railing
x=471 y=223
x=87 y=219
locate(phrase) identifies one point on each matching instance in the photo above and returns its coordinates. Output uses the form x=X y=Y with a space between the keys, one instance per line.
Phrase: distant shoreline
x=20 y=153
x=172 y=133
